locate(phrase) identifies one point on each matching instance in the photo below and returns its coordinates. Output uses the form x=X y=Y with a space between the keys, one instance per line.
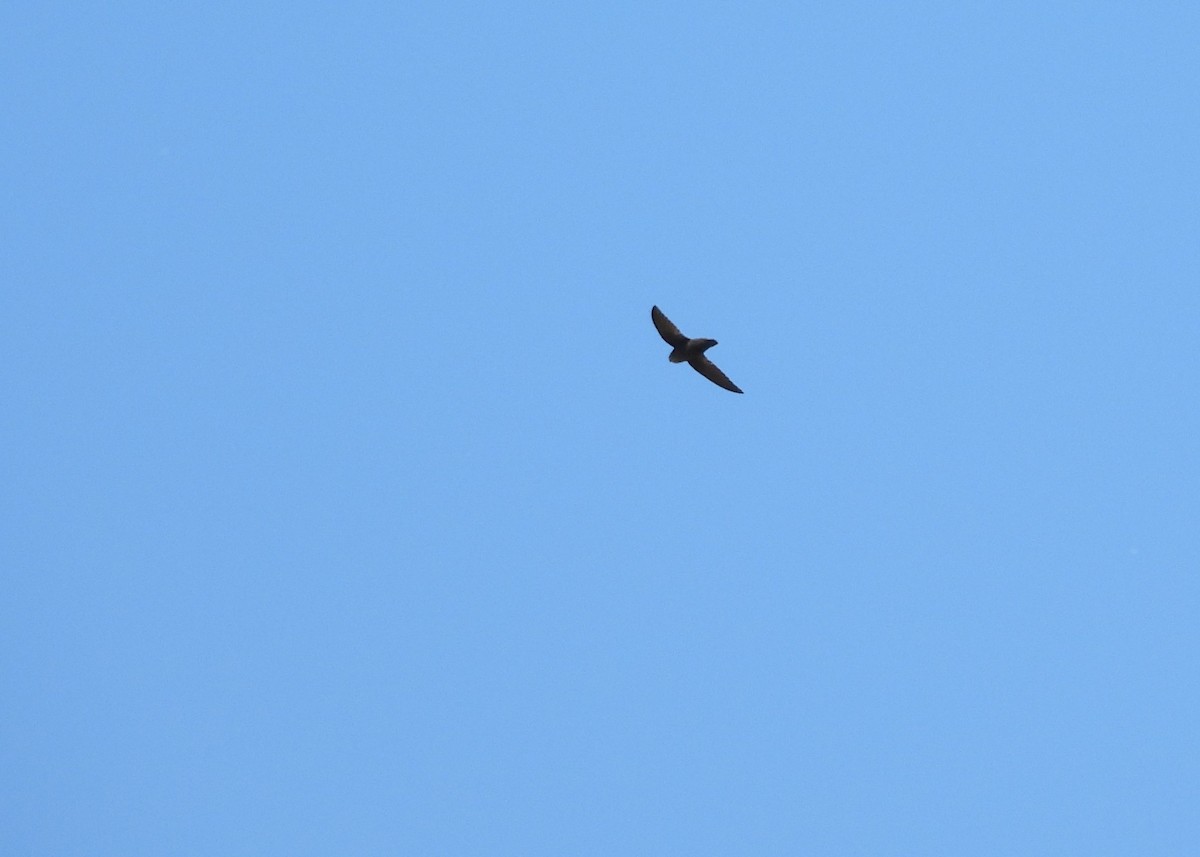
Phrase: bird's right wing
x=666 y=329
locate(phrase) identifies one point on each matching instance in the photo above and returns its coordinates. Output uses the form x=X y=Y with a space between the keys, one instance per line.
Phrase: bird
x=690 y=350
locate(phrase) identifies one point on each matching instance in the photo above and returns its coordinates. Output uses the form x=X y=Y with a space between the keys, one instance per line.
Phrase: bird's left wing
x=710 y=371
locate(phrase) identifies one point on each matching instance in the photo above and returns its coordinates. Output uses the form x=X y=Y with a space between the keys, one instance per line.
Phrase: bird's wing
x=710 y=371
x=666 y=329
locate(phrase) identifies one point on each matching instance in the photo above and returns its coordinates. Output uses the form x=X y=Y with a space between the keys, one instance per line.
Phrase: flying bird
x=690 y=350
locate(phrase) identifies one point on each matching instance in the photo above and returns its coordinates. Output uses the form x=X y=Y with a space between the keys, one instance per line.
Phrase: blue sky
x=351 y=506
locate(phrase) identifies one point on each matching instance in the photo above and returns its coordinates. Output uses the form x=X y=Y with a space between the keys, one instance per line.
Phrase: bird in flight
x=690 y=350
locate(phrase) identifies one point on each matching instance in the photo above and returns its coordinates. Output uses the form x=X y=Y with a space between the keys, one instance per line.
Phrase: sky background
x=349 y=504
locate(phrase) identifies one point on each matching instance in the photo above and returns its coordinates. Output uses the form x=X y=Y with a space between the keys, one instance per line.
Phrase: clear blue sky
x=351 y=506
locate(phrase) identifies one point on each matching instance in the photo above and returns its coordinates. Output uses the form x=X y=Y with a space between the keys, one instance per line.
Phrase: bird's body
x=691 y=351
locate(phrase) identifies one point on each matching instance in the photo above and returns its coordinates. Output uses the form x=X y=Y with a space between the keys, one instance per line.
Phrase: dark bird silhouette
x=690 y=350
